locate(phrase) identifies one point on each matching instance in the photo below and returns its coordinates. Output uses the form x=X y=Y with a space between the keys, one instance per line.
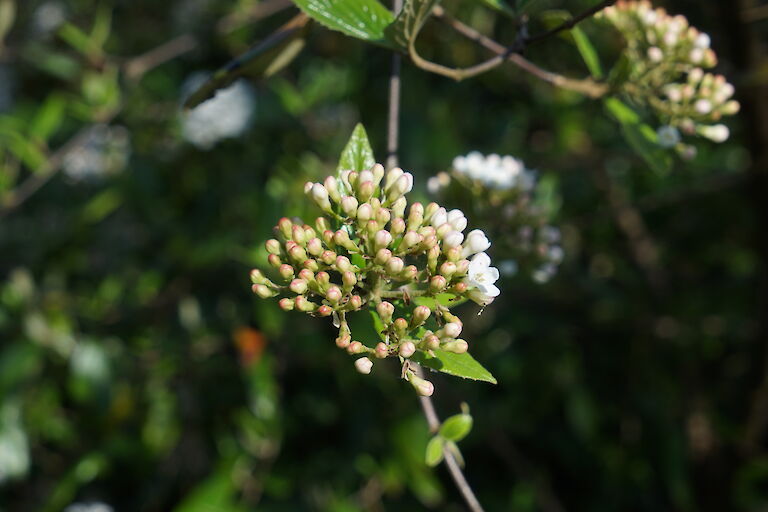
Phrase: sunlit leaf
x=640 y=136
x=363 y=19
x=357 y=154
x=458 y=365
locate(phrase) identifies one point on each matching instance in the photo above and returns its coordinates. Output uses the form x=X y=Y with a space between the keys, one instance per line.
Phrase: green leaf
x=378 y=325
x=48 y=117
x=357 y=154
x=409 y=22
x=434 y=453
x=588 y=52
x=640 y=136
x=458 y=365
x=363 y=19
x=448 y=300
x=262 y=61
x=499 y=5
x=456 y=427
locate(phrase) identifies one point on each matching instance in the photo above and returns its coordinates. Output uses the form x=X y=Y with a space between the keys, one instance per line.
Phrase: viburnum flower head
x=371 y=251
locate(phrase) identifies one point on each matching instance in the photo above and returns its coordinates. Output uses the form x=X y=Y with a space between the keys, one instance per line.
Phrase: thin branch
x=570 y=23
x=453 y=467
x=393 y=120
x=261 y=10
x=457 y=74
x=587 y=86
x=136 y=67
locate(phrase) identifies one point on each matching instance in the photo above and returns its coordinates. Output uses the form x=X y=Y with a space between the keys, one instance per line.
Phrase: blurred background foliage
x=138 y=372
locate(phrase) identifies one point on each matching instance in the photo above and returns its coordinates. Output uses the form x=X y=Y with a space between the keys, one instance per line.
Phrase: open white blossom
x=481 y=277
x=226 y=115
x=104 y=152
x=668 y=136
x=494 y=171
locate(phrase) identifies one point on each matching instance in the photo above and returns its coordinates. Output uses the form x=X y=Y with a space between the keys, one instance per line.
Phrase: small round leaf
x=434 y=453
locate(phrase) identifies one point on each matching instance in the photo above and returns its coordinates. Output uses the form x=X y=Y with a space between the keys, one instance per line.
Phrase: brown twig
x=261 y=10
x=136 y=67
x=393 y=120
x=453 y=467
x=570 y=23
x=585 y=86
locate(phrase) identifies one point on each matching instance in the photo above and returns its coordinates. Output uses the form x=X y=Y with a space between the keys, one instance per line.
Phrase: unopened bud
x=315 y=247
x=381 y=351
x=447 y=269
x=355 y=302
x=343 y=341
x=398 y=226
x=332 y=186
x=392 y=176
x=457 y=346
x=320 y=195
x=321 y=224
x=415 y=216
x=382 y=256
x=349 y=205
x=431 y=342
x=307 y=275
x=298 y=286
x=382 y=239
x=257 y=277
x=274 y=260
x=286 y=271
x=378 y=173
x=285 y=226
x=420 y=315
x=364 y=212
x=454 y=253
x=328 y=257
x=462 y=266
x=365 y=190
x=297 y=254
x=303 y=304
x=364 y=365
x=460 y=287
x=409 y=273
x=411 y=239
x=263 y=291
x=297 y=234
x=401 y=325
x=273 y=246
x=452 y=329
x=422 y=387
x=437 y=284
x=383 y=216
x=398 y=207
x=407 y=349
x=343 y=264
x=323 y=280
x=324 y=310
x=310 y=264
x=333 y=294
x=285 y=304
x=394 y=266
x=355 y=347
x=385 y=311
x=349 y=279
x=328 y=238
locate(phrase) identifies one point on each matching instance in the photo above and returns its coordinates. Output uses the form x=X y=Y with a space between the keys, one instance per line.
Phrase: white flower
x=226 y=115
x=439 y=218
x=494 y=171
x=476 y=242
x=457 y=220
x=364 y=365
x=481 y=277
x=668 y=136
x=715 y=133
x=453 y=239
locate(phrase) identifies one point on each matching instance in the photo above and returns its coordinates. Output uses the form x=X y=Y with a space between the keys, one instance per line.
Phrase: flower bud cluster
x=503 y=196
x=667 y=58
x=372 y=251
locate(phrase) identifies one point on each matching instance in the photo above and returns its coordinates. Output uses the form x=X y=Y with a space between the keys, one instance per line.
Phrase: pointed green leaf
x=459 y=365
x=377 y=324
x=409 y=22
x=456 y=427
x=588 y=52
x=448 y=300
x=434 y=454
x=363 y=19
x=357 y=154
x=48 y=117
x=262 y=61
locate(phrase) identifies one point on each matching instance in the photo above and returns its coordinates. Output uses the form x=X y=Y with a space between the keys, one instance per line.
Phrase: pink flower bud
x=298 y=286
x=452 y=329
x=381 y=351
x=437 y=284
x=355 y=347
x=332 y=186
x=422 y=387
x=431 y=342
x=297 y=254
x=411 y=239
x=460 y=287
x=322 y=224
x=392 y=176
x=328 y=238
x=385 y=311
x=420 y=315
x=382 y=239
x=307 y=275
x=285 y=304
x=303 y=304
x=285 y=225
x=382 y=256
x=401 y=324
x=365 y=190
x=324 y=310
x=398 y=207
x=409 y=273
x=364 y=365
x=274 y=260
x=315 y=247
x=310 y=264
x=263 y=291
x=454 y=253
x=323 y=279
x=355 y=302
x=382 y=216
x=457 y=346
x=343 y=341
x=333 y=294
x=397 y=227
x=394 y=266
x=349 y=279
x=349 y=205
x=297 y=234
x=415 y=216
x=257 y=277
x=273 y=246
x=328 y=257
x=407 y=349
x=364 y=212
x=343 y=264
x=447 y=269
x=286 y=271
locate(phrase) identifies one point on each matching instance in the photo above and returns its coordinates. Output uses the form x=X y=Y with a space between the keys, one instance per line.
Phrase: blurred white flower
x=226 y=115
x=715 y=133
x=93 y=506
x=48 y=17
x=14 y=448
x=481 y=277
x=494 y=171
x=105 y=151
x=668 y=136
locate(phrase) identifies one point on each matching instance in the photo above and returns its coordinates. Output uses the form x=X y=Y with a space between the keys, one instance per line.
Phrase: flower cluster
x=367 y=253
x=503 y=190
x=666 y=60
